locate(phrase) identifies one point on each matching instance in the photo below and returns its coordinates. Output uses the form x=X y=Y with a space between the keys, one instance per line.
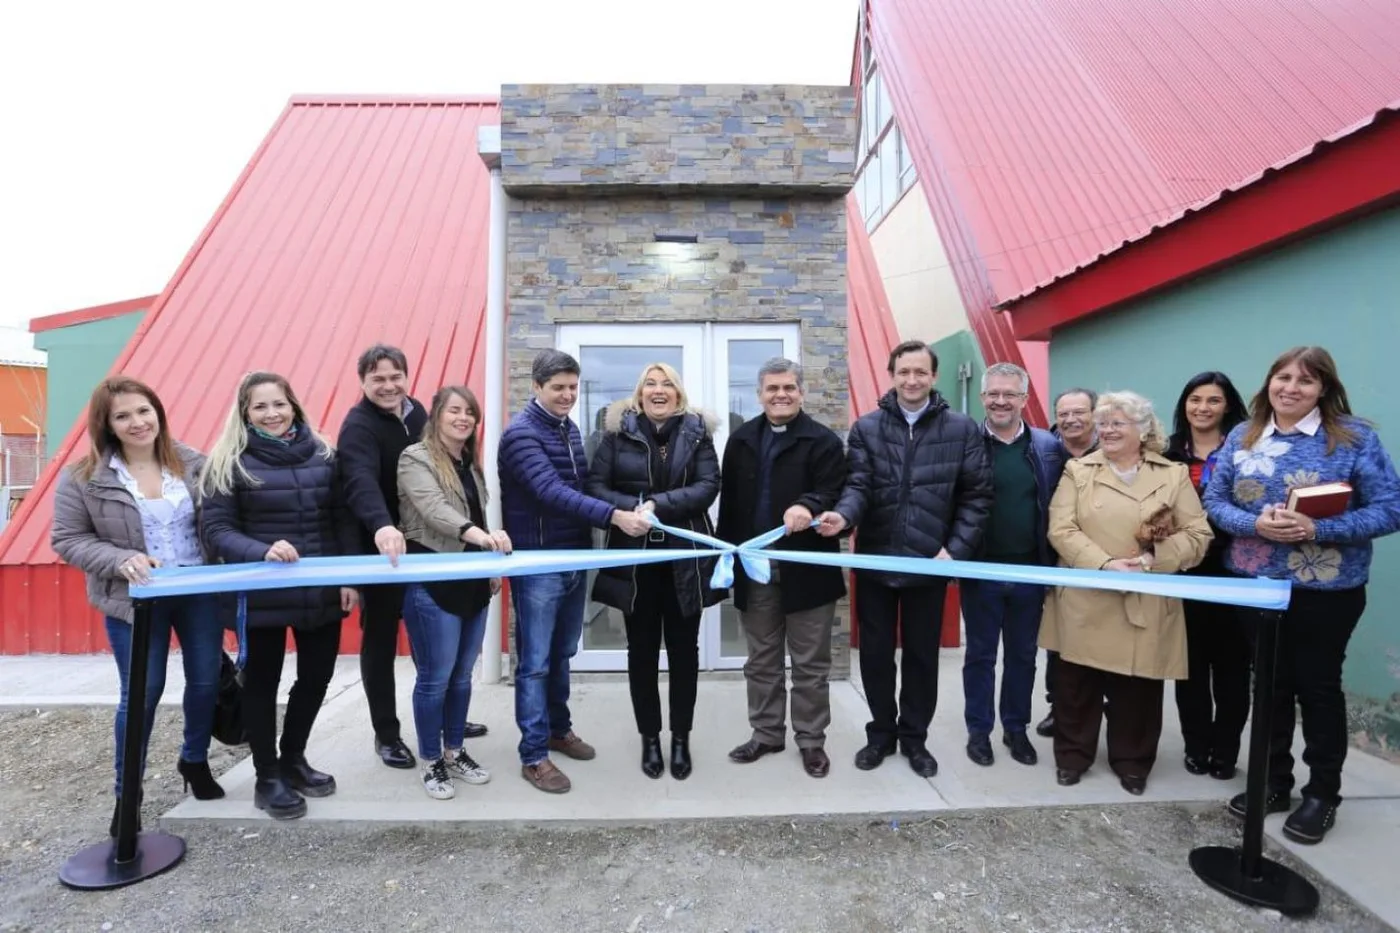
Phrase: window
x=886 y=170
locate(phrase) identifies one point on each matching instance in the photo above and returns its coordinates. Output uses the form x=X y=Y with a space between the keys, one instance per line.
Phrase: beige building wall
x=914 y=266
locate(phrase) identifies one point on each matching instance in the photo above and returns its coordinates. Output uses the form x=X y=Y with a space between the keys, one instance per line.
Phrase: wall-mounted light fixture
x=677 y=238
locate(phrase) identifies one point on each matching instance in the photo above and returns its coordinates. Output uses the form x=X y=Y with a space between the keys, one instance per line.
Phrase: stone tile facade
x=618 y=138
x=596 y=174
x=597 y=261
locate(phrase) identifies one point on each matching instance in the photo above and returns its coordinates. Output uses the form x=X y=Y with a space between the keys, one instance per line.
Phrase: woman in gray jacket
x=442 y=501
x=127 y=506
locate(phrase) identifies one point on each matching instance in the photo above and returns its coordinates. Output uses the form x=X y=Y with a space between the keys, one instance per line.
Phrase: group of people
x=1107 y=489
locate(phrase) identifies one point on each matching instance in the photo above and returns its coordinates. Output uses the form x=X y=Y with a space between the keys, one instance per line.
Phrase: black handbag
x=228 y=706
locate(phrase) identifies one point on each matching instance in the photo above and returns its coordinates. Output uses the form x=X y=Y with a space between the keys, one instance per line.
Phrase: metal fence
x=21 y=462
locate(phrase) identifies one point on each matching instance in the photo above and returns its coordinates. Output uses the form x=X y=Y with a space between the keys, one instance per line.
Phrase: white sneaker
x=465 y=767
x=437 y=782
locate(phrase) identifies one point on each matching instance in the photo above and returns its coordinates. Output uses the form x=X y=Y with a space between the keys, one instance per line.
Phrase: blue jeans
x=548 y=625
x=195 y=622
x=1008 y=613
x=445 y=648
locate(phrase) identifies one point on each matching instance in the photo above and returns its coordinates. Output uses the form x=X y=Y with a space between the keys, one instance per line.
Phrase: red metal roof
x=1372 y=176
x=356 y=220
x=48 y=322
x=1046 y=131
x=870 y=329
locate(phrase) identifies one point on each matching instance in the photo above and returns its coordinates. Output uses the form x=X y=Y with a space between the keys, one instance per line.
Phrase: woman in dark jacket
x=657 y=455
x=272 y=493
x=1213 y=702
x=127 y=506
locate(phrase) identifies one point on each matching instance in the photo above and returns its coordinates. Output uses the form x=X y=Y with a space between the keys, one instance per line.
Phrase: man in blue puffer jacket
x=543 y=507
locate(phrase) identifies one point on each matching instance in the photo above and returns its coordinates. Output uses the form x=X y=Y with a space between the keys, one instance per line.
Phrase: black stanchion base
x=1277 y=887
x=96 y=868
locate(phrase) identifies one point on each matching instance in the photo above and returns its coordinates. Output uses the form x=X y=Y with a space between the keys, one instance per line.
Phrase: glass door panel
x=739 y=351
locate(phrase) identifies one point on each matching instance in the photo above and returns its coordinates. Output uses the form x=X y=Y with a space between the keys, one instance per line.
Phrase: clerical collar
x=777 y=428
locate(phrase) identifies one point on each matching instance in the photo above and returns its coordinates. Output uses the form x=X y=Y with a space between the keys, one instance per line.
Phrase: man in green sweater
x=1026 y=466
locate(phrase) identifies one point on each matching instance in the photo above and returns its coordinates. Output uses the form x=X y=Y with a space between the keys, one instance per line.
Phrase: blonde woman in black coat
x=656 y=455
x=272 y=493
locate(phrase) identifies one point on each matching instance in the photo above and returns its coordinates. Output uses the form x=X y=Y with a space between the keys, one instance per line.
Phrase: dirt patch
x=1113 y=868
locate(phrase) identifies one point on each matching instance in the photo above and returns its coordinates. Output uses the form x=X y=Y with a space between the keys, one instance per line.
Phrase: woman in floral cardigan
x=1302 y=433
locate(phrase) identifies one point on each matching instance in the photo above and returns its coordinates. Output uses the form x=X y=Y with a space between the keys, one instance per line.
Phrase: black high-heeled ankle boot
x=200 y=779
x=680 y=755
x=279 y=800
x=653 y=765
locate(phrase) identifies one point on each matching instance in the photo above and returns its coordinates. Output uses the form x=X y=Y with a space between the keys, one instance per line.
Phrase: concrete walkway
x=1357 y=857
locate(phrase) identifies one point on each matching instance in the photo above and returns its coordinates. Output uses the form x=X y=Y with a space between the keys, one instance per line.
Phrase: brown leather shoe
x=546 y=777
x=752 y=750
x=573 y=746
x=815 y=762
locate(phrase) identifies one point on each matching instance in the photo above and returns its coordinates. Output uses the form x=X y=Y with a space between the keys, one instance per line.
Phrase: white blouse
x=168 y=522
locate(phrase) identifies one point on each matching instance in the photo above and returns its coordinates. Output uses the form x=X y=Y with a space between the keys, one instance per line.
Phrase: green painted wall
x=1338 y=289
x=79 y=356
x=953 y=352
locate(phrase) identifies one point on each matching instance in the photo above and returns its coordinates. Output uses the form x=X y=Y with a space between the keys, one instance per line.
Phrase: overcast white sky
x=127 y=122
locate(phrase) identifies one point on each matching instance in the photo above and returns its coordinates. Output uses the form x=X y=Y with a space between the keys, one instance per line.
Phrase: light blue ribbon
x=755 y=555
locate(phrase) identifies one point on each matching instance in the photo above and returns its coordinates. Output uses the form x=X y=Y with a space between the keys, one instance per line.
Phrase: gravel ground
x=1119 y=868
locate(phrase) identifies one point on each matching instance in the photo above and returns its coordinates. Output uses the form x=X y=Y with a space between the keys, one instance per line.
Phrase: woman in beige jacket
x=442 y=503
x=1124 y=508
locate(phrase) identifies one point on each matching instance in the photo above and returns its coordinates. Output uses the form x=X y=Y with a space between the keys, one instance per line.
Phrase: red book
x=1321 y=501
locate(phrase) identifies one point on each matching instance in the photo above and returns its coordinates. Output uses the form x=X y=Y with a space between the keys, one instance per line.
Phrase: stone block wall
x=597 y=138
x=597 y=262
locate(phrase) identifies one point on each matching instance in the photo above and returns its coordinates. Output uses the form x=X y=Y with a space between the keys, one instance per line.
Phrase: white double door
x=718 y=364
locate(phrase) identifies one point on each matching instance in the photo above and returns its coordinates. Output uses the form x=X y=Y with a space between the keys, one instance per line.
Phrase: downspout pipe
x=493 y=661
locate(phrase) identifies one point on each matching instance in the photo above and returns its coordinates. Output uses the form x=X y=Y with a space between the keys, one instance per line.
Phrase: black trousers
x=316 y=652
x=1213 y=702
x=380 y=613
x=1312 y=644
x=916 y=613
x=658 y=617
x=1085 y=697
x=1052 y=663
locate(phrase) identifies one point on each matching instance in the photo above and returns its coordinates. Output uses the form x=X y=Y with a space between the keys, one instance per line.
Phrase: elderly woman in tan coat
x=1124 y=508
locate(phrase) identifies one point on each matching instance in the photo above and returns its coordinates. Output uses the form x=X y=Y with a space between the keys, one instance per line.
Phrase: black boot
x=279 y=800
x=301 y=777
x=199 y=778
x=653 y=765
x=680 y=755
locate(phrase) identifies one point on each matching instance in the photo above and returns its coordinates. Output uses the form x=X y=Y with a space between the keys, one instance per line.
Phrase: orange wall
x=23 y=394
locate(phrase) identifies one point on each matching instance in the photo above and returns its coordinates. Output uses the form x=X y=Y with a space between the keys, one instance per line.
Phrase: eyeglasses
x=1003 y=396
x=1072 y=413
x=1115 y=425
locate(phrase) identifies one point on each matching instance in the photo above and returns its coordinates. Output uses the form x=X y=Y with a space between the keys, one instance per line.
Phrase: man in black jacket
x=373 y=435
x=920 y=486
x=783 y=468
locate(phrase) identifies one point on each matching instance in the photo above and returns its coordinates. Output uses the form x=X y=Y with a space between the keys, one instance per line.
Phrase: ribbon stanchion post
x=1244 y=873
x=133 y=855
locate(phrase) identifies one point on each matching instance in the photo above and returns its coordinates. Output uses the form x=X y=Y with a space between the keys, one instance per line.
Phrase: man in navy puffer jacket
x=543 y=507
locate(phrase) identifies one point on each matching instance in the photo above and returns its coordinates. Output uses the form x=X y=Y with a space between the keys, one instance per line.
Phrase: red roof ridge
x=38 y=325
x=393 y=100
